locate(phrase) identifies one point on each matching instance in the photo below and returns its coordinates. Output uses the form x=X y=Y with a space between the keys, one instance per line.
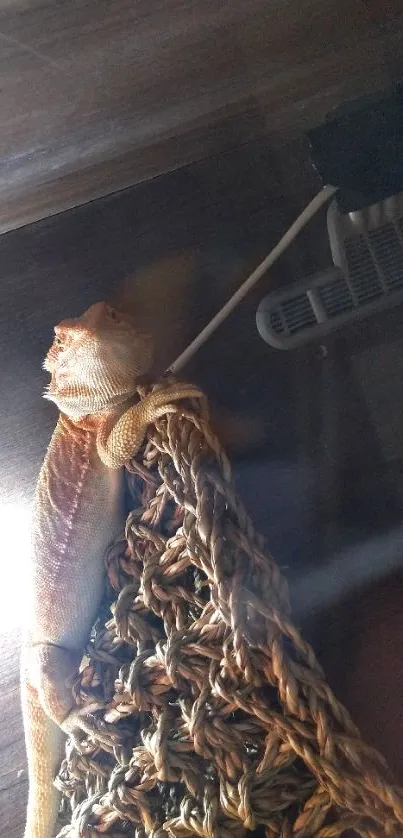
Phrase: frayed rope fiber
x=208 y=713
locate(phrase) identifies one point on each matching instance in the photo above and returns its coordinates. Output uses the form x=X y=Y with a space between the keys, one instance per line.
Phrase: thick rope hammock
x=208 y=714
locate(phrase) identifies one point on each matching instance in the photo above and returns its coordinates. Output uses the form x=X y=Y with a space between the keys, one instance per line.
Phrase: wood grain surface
x=96 y=96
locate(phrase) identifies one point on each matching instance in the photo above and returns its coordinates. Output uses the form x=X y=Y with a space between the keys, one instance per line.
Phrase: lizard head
x=95 y=361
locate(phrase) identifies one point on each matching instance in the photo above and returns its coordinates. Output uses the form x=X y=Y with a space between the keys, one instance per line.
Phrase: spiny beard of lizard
x=95 y=360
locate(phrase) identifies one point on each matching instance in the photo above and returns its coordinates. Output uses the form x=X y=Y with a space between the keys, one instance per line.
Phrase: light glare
x=15 y=525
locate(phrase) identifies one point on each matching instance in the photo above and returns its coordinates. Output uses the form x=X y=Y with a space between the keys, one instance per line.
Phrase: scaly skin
x=94 y=363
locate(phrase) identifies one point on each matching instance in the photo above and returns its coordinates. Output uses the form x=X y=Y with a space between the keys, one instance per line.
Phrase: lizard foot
x=118 y=441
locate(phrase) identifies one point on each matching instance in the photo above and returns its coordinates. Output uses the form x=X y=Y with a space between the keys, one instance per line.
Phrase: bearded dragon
x=94 y=363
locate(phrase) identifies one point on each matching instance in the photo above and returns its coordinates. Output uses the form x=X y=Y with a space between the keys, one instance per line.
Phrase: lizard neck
x=82 y=426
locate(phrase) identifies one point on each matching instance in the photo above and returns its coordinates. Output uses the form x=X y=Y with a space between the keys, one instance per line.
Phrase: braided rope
x=210 y=715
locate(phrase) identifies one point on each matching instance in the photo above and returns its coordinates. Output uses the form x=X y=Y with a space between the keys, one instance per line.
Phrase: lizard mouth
x=51 y=386
x=58 y=377
x=55 y=390
x=59 y=383
x=54 y=384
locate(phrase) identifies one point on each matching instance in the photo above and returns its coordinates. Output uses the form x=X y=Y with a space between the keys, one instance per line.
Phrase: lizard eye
x=58 y=341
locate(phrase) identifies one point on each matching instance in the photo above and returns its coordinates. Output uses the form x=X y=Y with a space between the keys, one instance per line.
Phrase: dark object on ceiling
x=360 y=149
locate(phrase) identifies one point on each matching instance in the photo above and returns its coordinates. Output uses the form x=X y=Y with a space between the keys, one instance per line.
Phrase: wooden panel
x=96 y=96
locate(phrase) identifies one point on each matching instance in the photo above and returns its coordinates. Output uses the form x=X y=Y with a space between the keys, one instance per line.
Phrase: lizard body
x=95 y=362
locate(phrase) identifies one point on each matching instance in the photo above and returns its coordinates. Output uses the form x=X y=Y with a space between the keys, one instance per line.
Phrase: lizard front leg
x=50 y=715
x=47 y=700
x=117 y=444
